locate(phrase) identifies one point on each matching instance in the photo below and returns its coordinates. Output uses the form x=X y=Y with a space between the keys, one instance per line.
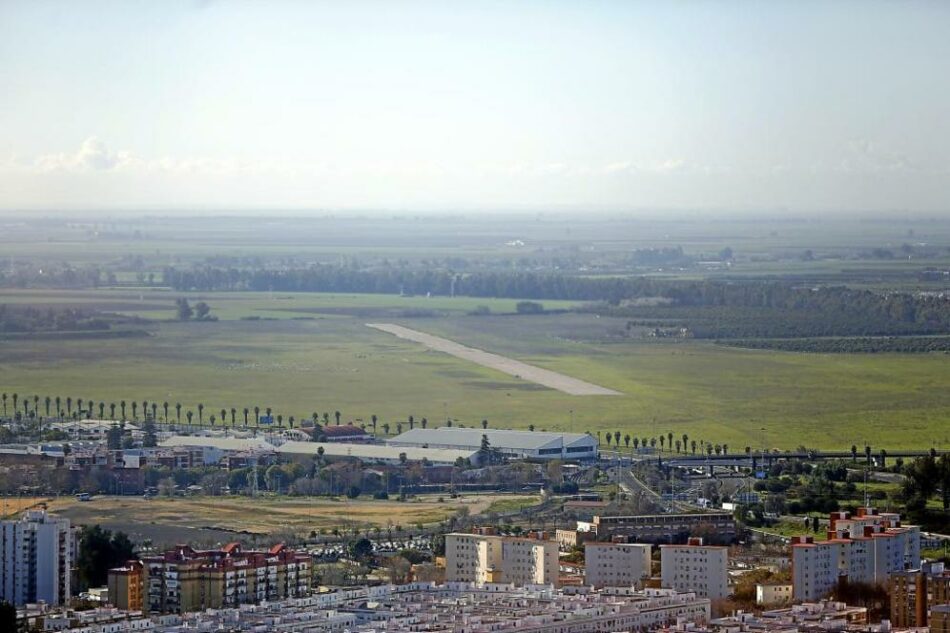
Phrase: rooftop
x=499 y=438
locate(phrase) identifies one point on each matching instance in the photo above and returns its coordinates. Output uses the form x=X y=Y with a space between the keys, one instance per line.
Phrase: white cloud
x=92 y=155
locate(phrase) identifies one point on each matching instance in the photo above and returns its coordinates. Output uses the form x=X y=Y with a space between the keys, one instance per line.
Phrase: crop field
x=165 y=520
x=330 y=361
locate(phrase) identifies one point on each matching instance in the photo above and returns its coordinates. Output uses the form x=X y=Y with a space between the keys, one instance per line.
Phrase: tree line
x=817 y=311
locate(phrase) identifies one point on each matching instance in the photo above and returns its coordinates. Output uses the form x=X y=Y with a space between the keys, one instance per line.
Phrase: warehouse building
x=538 y=445
x=378 y=454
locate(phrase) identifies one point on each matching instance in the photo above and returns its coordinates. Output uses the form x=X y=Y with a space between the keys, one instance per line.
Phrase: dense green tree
x=99 y=551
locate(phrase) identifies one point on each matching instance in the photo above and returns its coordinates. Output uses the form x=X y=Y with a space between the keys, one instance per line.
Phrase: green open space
x=331 y=361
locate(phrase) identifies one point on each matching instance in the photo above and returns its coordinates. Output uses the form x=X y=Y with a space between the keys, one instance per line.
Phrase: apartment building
x=914 y=593
x=490 y=558
x=184 y=579
x=694 y=567
x=125 y=586
x=36 y=556
x=866 y=548
x=616 y=564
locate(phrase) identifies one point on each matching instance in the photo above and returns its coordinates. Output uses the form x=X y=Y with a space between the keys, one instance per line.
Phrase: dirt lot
x=516 y=368
x=187 y=519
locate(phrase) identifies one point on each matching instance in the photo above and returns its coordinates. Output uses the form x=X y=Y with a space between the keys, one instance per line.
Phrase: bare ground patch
x=516 y=368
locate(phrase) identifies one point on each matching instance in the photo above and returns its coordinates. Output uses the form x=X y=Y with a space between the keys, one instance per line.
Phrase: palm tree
x=188 y=415
x=316 y=419
x=178 y=411
x=617 y=438
x=725 y=449
x=4 y=403
x=121 y=406
x=386 y=428
x=609 y=438
x=224 y=414
x=662 y=441
x=201 y=410
x=326 y=418
x=626 y=440
x=47 y=401
x=267 y=411
x=336 y=414
x=484 y=424
x=709 y=449
x=867 y=453
x=102 y=410
x=424 y=422
x=290 y=421
x=233 y=416
x=165 y=409
x=412 y=421
x=211 y=420
x=245 y=411
x=15 y=397
x=280 y=420
x=144 y=408
x=154 y=411
x=669 y=440
x=373 y=419
x=677 y=446
x=685 y=441
x=652 y=442
x=69 y=405
x=398 y=428
x=36 y=403
x=636 y=443
x=135 y=410
x=693 y=446
x=257 y=415
x=854 y=453
x=111 y=409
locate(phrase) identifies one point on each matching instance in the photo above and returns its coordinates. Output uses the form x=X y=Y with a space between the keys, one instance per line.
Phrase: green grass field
x=333 y=362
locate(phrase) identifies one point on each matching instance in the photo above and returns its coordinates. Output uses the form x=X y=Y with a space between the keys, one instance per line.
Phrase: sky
x=727 y=107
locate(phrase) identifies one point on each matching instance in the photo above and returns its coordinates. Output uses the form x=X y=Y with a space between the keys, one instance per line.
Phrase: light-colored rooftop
x=498 y=438
x=220 y=443
x=370 y=452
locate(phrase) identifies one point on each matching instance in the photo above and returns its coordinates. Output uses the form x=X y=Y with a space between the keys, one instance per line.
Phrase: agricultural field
x=329 y=360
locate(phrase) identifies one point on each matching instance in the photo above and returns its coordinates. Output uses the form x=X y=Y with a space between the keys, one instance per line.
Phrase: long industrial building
x=376 y=453
x=539 y=445
x=215 y=448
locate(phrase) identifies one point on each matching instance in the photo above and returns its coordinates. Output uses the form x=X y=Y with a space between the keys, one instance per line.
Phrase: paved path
x=516 y=368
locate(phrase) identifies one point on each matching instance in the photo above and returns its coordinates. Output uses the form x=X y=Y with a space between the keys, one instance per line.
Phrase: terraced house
x=184 y=579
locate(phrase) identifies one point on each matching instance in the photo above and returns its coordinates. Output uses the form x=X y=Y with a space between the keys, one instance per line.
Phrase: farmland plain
x=313 y=353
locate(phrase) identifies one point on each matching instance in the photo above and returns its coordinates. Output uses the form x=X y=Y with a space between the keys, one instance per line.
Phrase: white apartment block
x=489 y=558
x=694 y=567
x=36 y=554
x=867 y=548
x=616 y=564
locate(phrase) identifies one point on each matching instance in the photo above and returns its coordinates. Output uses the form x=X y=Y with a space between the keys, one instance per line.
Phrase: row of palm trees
x=667 y=442
x=174 y=413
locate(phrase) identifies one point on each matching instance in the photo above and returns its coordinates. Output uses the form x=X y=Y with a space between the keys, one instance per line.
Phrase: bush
x=353 y=492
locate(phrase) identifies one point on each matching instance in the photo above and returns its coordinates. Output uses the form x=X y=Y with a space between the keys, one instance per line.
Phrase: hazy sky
x=747 y=105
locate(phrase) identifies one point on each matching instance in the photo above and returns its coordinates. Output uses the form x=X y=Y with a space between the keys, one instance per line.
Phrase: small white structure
x=773 y=593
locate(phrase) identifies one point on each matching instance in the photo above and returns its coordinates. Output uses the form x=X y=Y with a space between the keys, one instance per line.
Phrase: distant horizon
x=652 y=214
